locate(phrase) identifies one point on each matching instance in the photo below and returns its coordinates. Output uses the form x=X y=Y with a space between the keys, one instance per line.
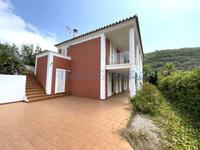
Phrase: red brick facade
x=42 y=70
x=85 y=69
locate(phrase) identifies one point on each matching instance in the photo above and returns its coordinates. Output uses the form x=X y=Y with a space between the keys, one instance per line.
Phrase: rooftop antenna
x=69 y=30
x=75 y=32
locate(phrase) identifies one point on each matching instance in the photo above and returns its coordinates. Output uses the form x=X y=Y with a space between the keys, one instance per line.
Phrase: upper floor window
x=62 y=51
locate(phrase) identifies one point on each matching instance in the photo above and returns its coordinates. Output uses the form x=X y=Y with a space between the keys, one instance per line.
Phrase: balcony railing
x=119 y=58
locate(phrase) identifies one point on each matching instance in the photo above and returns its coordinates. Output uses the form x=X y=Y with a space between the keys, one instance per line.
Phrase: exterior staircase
x=35 y=92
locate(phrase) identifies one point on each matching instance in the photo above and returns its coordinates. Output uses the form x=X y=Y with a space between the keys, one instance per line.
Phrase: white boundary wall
x=12 y=88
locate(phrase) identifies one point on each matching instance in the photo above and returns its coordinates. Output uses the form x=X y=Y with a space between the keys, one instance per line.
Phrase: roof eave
x=106 y=27
x=99 y=29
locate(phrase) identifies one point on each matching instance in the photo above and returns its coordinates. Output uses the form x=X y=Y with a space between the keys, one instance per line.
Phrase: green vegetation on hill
x=183 y=59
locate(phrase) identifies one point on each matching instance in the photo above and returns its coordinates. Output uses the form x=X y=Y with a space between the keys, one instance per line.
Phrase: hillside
x=184 y=58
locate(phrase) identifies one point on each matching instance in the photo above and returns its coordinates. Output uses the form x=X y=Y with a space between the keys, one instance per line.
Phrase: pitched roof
x=108 y=26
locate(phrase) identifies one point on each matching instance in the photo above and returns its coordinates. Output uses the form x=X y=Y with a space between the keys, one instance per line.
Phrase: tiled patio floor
x=67 y=123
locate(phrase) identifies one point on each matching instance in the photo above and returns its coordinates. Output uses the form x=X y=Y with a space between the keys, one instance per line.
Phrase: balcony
x=119 y=61
x=119 y=58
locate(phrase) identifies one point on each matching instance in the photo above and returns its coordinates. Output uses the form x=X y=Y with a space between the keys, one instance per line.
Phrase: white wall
x=12 y=88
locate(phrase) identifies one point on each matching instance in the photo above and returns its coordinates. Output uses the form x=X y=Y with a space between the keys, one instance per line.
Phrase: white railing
x=120 y=58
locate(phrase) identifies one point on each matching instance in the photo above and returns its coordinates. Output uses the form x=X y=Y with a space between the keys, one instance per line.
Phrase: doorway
x=60 y=81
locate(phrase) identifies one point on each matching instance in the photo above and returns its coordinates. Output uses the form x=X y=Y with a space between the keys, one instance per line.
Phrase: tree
x=10 y=61
x=28 y=54
x=149 y=74
x=38 y=49
x=167 y=69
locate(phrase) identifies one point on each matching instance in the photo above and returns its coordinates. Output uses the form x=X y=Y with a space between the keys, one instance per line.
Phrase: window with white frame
x=62 y=51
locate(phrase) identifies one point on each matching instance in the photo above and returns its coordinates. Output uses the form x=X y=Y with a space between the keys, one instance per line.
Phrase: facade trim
x=46 y=53
x=118 y=66
x=49 y=73
x=103 y=68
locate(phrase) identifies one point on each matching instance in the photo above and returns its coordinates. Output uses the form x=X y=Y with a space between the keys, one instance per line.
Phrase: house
x=97 y=64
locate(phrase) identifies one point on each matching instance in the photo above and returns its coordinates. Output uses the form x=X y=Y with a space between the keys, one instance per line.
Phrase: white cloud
x=14 y=29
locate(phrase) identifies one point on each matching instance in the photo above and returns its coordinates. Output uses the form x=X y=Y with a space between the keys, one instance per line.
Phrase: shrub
x=147 y=100
x=183 y=90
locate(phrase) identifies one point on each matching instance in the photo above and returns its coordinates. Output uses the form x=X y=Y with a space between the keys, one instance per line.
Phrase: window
x=60 y=51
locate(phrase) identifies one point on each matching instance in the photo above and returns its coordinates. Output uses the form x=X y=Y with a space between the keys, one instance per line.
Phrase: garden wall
x=12 y=88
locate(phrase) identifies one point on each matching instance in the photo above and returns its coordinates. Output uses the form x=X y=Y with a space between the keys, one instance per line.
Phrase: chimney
x=75 y=33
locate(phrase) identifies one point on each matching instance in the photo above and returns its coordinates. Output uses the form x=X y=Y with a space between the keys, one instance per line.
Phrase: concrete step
x=48 y=97
x=34 y=87
x=35 y=84
x=30 y=83
x=36 y=95
x=35 y=92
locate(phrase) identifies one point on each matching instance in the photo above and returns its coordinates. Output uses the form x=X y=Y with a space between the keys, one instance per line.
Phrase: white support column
x=103 y=68
x=125 y=83
x=49 y=73
x=35 y=71
x=132 y=62
x=128 y=83
x=120 y=84
x=109 y=84
x=115 y=83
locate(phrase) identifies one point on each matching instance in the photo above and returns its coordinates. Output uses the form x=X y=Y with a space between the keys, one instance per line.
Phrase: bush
x=10 y=61
x=147 y=100
x=183 y=91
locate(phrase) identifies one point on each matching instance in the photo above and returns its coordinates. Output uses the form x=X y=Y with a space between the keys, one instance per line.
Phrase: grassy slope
x=177 y=131
x=184 y=58
x=178 y=134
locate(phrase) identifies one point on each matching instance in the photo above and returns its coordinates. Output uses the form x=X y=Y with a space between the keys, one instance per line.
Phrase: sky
x=164 y=24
